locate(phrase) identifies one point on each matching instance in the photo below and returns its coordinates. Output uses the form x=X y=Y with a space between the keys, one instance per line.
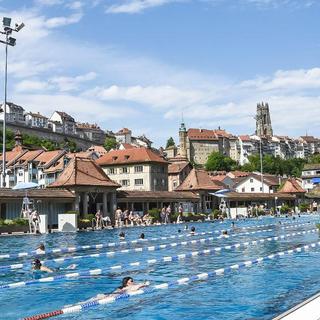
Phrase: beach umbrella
x=25 y=186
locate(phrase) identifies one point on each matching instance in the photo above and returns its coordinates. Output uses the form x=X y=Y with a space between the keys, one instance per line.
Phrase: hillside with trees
x=273 y=165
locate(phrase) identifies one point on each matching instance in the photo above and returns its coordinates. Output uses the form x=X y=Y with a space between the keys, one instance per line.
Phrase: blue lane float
x=146 y=263
x=151 y=248
x=173 y=284
x=132 y=242
x=134 y=250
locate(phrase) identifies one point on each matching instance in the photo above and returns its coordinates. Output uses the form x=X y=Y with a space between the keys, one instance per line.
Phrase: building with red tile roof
x=178 y=170
x=200 y=182
x=292 y=186
x=91 y=185
x=136 y=169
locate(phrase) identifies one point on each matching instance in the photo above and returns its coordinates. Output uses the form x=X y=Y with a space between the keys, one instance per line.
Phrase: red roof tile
x=199 y=180
x=177 y=167
x=245 y=138
x=83 y=172
x=202 y=134
x=135 y=155
x=47 y=157
x=128 y=146
x=292 y=186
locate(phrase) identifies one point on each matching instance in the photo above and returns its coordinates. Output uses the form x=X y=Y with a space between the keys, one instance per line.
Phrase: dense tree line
x=271 y=164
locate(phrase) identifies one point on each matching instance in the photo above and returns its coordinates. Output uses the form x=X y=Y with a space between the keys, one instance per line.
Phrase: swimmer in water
x=122 y=236
x=37 y=266
x=127 y=286
x=224 y=234
x=193 y=231
x=41 y=249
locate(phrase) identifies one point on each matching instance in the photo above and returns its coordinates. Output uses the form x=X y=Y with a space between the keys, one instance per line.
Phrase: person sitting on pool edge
x=193 y=231
x=37 y=266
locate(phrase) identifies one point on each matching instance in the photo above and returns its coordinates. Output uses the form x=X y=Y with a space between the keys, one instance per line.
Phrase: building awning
x=241 y=196
x=315 y=180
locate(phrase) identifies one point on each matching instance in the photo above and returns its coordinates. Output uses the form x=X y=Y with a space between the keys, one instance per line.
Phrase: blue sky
x=142 y=63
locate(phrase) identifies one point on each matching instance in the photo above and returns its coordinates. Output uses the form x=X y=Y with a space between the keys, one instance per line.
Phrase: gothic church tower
x=263 y=121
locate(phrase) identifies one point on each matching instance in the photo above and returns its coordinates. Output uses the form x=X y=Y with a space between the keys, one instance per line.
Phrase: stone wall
x=83 y=144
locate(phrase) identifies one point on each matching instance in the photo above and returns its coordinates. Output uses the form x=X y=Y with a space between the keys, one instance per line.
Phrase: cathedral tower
x=263 y=120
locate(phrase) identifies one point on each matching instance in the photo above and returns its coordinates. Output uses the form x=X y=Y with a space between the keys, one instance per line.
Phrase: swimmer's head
x=36 y=264
x=193 y=229
x=126 y=281
x=142 y=236
x=121 y=234
x=42 y=247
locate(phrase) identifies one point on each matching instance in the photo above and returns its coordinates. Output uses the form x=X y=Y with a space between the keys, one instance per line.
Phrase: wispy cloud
x=63 y=21
x=136 y=6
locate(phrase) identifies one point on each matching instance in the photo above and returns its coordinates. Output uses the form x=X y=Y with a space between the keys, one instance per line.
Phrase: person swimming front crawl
x=128 y=285
x=38 y=266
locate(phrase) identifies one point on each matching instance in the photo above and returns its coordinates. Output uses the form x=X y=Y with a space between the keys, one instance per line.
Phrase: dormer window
x=114 y=158
x=126 y=157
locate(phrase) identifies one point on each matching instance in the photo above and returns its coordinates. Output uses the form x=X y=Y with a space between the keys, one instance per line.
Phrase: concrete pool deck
x=308 y=309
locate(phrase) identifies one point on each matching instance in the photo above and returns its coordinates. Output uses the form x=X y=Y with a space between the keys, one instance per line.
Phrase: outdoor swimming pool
x=260 y=291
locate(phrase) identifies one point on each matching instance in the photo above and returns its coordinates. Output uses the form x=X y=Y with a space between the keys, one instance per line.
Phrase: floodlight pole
x=261 y=165
x=4 y=115
x=8 y=41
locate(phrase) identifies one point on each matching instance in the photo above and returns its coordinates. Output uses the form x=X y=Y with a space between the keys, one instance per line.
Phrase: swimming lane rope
x=173 y=284
x=165 y=259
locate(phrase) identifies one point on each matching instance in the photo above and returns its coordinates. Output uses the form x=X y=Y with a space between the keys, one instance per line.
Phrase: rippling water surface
x=258 y=292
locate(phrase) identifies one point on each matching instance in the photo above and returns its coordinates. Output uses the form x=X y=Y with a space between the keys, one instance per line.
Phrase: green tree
x=218 y=162
x=110 y=143
x=170 y=142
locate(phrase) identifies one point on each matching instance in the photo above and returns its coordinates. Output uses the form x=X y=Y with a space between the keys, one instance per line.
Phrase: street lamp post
x=9 y=41
x=261 y=165
x=258 y=118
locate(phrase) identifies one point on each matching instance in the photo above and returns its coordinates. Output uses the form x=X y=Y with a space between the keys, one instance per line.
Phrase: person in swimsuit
x=41 y=249
x=37 y=265
x=128 y=285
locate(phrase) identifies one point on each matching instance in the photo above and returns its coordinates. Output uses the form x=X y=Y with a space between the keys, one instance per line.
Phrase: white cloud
x=76 y=5
x=63 y=21
x=82 y=109
x=48 y=2
x=155 y=96
x=136 y=6
x=31 y=85
x=72 y=83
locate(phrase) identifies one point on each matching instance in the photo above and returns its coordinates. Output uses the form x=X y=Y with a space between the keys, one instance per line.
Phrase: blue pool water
x=258 y=292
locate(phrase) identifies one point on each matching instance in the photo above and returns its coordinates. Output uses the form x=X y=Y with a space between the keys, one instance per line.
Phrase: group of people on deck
x=130 y=218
